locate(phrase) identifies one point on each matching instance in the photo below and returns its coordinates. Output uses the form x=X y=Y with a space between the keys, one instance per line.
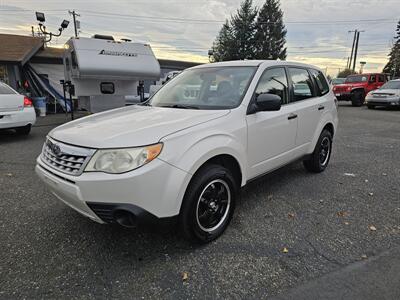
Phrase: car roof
x=254 y=63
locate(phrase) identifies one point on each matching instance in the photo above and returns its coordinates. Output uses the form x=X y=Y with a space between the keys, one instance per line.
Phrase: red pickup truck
x=357 y=86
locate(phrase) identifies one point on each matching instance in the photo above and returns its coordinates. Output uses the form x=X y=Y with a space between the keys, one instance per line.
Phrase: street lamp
x=362 y=64
x=49 y=35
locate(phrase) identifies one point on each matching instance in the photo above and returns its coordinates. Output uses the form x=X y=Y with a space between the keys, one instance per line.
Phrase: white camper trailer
x=104 y=71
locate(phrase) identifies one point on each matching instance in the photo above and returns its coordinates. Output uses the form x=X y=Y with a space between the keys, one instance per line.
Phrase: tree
x=393 y=66
x=270 y=35
x=243 y=25
x=346 y=72
x=236 y=37
x=224 y=44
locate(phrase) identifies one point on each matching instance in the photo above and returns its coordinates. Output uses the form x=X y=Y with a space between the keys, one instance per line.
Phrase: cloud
x=163 y=25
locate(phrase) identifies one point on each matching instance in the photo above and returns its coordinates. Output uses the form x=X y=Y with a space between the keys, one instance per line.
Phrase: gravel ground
x=326 y=222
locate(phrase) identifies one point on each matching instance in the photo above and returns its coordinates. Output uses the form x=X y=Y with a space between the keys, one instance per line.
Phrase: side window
x=73 y=60
x=372 y=78
x=381 y=78
x=319 y=79
x=107 y=88
x=302 y=84
x=274 y=81
x=67 y=64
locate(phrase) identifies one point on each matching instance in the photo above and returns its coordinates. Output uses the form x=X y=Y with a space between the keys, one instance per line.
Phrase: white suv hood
x=130 y=126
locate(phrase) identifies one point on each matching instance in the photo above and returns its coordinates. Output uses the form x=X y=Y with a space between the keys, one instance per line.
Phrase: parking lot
x=326 y=221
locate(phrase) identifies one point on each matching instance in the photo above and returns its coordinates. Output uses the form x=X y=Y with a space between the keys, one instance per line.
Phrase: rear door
x=10 y=100
x=381 y=80
x=310 y=104
x=372 y=83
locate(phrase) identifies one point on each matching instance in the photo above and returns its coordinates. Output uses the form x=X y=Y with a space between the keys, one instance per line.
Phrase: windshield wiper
x=181 y=106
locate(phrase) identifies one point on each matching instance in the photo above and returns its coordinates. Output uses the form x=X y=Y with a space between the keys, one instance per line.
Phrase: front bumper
x=343 y=96
x=155 y=189
x=388 y=102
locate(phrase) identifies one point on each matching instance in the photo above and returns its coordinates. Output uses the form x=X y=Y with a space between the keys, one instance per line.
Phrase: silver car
x=387 y=95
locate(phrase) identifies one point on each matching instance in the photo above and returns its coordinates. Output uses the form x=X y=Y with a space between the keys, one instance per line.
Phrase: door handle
x=321 y=107
x=292 y=116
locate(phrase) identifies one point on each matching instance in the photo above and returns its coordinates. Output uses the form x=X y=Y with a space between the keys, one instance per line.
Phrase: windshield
x=6 y=90
x=358 y=78
x=392 y=85
x=338 y=80
x=205 y=88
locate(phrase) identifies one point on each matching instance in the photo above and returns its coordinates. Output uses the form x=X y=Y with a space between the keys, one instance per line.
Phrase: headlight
x=117 y=161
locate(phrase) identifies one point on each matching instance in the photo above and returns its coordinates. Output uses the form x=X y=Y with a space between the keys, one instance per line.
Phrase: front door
x=271 y=134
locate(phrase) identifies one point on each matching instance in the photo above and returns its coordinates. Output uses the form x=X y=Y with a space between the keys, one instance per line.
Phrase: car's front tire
x=208 y=204
x=25 y=130
x=319 y=159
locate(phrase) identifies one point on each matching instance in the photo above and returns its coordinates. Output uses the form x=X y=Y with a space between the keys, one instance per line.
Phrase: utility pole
x=352 y=48
x=356 y=50
x=74 y=15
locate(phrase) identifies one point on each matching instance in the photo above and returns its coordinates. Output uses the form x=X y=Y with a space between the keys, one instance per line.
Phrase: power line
x=154 y=19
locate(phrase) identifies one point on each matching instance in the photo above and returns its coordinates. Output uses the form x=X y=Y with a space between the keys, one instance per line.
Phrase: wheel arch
x=359 y=89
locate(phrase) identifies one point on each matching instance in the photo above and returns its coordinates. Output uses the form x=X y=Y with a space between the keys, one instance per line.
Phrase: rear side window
x=302 y=84
x=372 y=78
x=381 y=78
x=321 y=84
x=6 y=90
x=274 y=81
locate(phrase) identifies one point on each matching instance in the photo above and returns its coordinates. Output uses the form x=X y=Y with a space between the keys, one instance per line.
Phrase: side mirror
x=268 y=102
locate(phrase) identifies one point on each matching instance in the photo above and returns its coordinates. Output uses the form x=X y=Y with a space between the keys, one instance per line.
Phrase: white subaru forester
x=187 y=151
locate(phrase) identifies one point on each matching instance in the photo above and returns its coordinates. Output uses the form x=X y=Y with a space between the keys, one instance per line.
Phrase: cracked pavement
x=324 y=220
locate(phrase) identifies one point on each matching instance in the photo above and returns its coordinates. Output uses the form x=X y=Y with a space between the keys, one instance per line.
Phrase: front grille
x=65 y=158
x=339 y=89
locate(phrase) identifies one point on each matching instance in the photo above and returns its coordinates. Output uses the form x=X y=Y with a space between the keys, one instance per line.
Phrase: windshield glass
x=338 y=80
x=205 y=88
x=358 y=78
x=392 y=85
x=6 y=90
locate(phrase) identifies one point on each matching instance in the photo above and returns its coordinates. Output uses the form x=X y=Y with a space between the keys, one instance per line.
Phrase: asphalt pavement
x=293 y=232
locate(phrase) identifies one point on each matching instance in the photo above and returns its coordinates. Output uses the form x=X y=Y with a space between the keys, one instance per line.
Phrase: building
x=26 y=64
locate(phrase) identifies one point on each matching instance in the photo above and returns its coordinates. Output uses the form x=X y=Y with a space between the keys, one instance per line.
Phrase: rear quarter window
x=6 y=90
x=321 y=83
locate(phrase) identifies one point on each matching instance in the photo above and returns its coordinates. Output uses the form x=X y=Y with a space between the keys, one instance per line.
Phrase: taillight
x=27 y=102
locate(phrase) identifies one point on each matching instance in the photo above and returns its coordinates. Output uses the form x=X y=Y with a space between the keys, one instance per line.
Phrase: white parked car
x=16 y=110
x=388 y=95
x=188 y=157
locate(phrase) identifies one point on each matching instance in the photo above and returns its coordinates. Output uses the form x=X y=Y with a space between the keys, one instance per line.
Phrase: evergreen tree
x=224 y=45
x=393 y=66
x=346 y=72
x=243 y=25
x=270 y=32
x=236 y=38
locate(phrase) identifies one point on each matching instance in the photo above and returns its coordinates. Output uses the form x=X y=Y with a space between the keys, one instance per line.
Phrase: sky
x=318 y=30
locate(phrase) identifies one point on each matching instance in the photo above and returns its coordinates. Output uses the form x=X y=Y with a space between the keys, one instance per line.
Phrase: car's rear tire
x=25 y=130
x=371 y=106
x=357 y=98
x=208 y=204
x=319 y=159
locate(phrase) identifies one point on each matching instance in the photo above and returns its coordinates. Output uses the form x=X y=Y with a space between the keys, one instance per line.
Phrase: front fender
x=192 y=155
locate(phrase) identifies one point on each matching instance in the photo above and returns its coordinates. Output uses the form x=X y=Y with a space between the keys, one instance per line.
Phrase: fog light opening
x=125 y=218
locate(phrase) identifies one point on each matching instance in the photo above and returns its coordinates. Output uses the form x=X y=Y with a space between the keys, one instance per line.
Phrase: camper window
x=67 y=64
x=73 y=60
x=107 y=88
